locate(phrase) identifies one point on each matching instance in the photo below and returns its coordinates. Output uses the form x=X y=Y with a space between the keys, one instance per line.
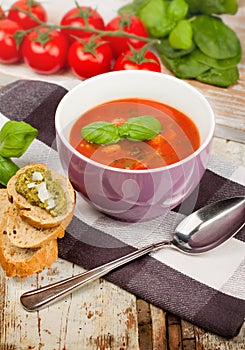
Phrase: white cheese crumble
x=43 y=192
x=37 y=176
x=51 y=203
x=31 y=185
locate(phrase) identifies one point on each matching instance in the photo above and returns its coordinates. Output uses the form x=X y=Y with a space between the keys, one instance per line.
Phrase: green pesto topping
x=39 y=189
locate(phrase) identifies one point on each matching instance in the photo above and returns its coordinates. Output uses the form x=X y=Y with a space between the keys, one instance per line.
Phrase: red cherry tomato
x=78 y=17
x=2 y=14
x=90 y=57
x=45 y=51
x=129 y=24
x=134 y=60
x=9 y=51
x=23 y=19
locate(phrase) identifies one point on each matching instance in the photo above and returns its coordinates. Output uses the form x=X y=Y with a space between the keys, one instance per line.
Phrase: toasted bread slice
x=33 y=214
x=23 y=262
x=4 y=203
x=23 y=235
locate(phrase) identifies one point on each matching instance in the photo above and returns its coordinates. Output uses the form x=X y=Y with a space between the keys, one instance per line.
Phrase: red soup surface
x=178 y=138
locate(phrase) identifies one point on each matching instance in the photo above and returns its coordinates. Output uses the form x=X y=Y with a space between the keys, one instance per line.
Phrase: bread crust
x=4 y=203
x=23 y=235
x=22 y=262
x=36 y=216
x=28 y=234
x=16 y=262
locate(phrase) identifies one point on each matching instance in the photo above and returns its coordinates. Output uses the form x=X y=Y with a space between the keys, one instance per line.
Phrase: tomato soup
x=178 y=138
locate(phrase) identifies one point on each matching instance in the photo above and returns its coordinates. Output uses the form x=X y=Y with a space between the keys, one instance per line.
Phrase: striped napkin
x=208 y=290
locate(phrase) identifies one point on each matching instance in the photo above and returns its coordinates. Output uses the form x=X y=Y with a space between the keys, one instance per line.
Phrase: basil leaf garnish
x=143 y=128
x=135 y=129
x=15 y=138
x=100 y=133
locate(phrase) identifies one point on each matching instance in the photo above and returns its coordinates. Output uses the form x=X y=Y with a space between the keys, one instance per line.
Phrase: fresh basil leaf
x=100 y=133
x=229 y=6
x=155 y=18
x=212 y=6
x=215 y=63
x=186 y=67
x=220 y=77
x=128 y=9
x=15 y=138
x=143 y=128
x=177 y=10
x=167 y=50
x=7 y=169
x=132 y=7
x=170 y=63
x=181 y=36
x=214 y=38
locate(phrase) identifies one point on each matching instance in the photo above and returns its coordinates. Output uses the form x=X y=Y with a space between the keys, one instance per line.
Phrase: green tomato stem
x=87 y=27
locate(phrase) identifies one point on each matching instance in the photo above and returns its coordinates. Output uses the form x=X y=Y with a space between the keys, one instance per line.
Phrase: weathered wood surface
x=102 y=316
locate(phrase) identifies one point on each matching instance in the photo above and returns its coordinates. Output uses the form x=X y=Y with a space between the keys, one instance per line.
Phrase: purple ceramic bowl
x=134 y=195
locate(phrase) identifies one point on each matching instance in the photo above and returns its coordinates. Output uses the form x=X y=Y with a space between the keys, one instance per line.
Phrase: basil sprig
x=135 y=129
x=15 y=138
x=101 y=133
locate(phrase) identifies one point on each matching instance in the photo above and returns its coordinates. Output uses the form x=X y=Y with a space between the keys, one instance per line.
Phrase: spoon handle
x=39 y=298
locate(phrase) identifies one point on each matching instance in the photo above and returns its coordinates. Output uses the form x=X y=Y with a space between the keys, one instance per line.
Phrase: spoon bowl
x=201 y=231
x=210 y=226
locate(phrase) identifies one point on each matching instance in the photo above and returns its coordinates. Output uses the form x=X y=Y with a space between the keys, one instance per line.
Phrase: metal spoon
x=199 y=232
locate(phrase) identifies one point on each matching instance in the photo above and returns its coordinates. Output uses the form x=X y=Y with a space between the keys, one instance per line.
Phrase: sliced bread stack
x=28 y=233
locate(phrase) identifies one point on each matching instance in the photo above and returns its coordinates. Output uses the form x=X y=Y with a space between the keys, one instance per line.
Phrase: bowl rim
x=194 y=155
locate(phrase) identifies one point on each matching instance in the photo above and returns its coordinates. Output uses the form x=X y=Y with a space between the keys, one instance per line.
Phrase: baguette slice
x=36 y=216
x=23 y=235
x=23 y=262
x=4 y=204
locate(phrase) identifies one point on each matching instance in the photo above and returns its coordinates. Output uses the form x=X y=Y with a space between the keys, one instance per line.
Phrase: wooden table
x=102 y=316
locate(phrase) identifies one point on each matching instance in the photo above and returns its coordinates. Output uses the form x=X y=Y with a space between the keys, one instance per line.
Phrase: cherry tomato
x=138 y=61
x=45 y=51
x=2 y=14
x=89 y=57
x=9 y=51
x=23 y=19
x=129 y=24
x=78 y=17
